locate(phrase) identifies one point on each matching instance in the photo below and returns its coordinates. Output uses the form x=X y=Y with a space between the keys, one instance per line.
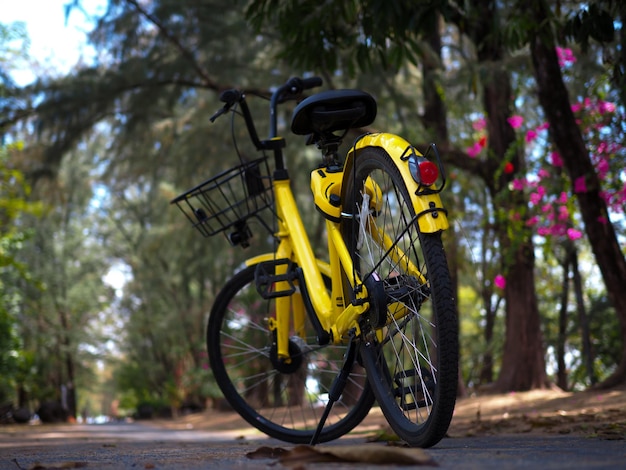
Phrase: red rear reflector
x=428 y=172
x=423 y=171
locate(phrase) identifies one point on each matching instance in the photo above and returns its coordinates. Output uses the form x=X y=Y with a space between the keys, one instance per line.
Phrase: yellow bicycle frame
x=336 y=314
x=335 y=317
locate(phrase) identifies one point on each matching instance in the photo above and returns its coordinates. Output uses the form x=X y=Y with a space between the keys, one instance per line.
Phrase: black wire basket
x=227 y=200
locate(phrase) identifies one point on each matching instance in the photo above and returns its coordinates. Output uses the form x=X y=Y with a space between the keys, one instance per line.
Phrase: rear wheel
x=285 y=401
x=410 y=350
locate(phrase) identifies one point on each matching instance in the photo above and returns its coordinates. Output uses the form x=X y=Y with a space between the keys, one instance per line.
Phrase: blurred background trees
x=105 y=286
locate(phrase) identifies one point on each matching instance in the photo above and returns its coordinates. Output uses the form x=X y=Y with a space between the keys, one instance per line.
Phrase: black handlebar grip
x=230 y=97
x=311 y=82
x=297 y=85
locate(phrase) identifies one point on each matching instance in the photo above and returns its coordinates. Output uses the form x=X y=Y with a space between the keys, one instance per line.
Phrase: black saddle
x=333 y=110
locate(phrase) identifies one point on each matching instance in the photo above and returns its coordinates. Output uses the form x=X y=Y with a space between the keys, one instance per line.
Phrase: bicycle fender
x=432 y=217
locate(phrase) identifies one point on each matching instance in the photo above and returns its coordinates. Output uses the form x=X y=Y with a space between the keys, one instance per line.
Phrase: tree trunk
x=561 y=374
x=582 y=316
x=70 y=391
x=523 y=361
x=566 y=134
x=486 y=370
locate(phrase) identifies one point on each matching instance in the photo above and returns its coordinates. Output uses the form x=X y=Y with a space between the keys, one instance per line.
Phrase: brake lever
x=229 y=97
x=220 y=112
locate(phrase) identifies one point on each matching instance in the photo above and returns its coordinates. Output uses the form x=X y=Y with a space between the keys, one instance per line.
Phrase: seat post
x=329 y=145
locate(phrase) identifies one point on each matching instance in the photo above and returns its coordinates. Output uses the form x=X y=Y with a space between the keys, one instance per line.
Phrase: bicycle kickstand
x=338 y=385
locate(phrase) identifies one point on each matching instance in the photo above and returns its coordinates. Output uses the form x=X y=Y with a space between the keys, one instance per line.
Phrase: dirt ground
x=524 y=421
x=600 y=414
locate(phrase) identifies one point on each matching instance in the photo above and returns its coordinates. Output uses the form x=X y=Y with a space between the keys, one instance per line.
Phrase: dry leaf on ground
x=55 y=466
x=370 y=454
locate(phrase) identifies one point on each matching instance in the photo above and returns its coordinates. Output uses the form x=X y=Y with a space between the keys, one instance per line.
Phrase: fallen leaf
x=266 y=452
x=57 y=466
x=370 y=454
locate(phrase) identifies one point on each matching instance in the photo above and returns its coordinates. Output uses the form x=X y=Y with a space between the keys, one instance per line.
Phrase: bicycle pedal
x=266 y=278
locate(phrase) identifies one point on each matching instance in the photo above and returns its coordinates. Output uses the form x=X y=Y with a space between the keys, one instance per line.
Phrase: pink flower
x=515 y=121
x=534 y=220
x=574 y=234
x=603 y=168
x=576 y=107
x=543 y=126
x=565 y=56
x=605 y=107
x=543 y=173
x=558 y=230
x=543 y=231
x=580 y=186
x=474 y=150
x=556 y=159
x=530 y=136
x=563 y=213
x=562 y=198
x=519 y=184
x=500 y=281
x=479 y=124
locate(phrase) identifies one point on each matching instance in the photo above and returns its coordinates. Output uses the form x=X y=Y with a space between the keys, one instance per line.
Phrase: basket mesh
x=228 y=198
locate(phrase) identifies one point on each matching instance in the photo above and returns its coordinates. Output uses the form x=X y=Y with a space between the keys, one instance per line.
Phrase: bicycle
x=302 y=347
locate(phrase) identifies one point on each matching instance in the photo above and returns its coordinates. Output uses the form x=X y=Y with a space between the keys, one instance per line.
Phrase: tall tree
x=523 y=363
x=556 y=104
x=154 y=97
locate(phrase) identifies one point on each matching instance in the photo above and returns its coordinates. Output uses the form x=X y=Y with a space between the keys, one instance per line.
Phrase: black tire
x=287 y=404
x=411 y=352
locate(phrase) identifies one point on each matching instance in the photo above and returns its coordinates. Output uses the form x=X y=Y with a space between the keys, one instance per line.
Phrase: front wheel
x=285 y=401
x=410 y=347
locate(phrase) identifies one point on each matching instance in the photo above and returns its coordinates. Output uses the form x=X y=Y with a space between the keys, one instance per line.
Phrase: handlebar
x=291 y=90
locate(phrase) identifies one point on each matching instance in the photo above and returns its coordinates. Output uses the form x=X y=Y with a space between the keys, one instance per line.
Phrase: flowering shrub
x=551 y=195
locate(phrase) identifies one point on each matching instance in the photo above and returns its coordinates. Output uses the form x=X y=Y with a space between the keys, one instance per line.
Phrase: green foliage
x=593 y=22
x=13 y=206
x=373 y=32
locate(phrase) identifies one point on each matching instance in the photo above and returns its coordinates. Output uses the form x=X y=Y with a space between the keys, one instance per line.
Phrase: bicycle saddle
x=333 y=110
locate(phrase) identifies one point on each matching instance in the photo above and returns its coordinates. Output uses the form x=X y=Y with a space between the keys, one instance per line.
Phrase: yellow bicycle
x=300 y=346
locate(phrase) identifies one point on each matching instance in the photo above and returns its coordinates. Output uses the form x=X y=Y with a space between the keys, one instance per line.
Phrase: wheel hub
x=297 y=350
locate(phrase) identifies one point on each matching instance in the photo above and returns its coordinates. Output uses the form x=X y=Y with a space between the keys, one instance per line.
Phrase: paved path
x=139 y=446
